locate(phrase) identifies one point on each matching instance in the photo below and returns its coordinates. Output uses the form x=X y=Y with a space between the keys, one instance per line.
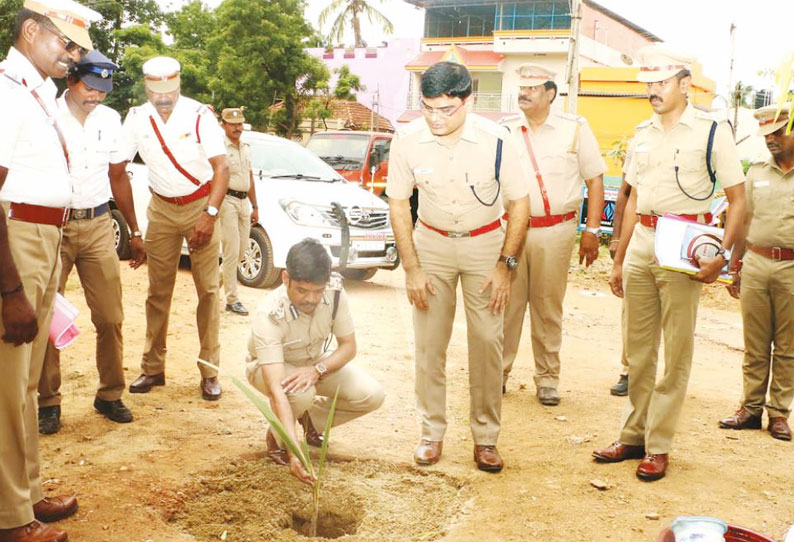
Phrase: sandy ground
x=188 y=469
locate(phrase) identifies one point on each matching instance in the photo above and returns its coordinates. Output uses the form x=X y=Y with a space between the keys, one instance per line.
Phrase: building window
x=463 y=21
x=543 y=15
x=483 y=19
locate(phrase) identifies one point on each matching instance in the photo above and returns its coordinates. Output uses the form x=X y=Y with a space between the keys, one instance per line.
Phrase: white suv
x=299 y=196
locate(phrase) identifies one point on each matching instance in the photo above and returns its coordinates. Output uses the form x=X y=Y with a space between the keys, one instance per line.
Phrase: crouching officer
x=288 y=355
x=767 y=283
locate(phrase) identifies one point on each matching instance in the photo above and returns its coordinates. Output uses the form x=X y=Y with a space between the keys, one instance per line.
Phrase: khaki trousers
x=235 y=224
x=540 y=281
x=767 y=301
x=169 y=225
x=624 y=361
x=35 y=251
x=359 y=394
x=656 y=300
x=445 y=261
x=89 y=245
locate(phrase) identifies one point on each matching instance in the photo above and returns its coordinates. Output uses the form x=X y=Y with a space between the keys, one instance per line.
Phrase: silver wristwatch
x=594 y=231
x=321 y=369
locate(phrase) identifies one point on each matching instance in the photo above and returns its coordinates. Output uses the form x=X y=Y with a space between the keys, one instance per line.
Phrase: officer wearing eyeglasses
x=35 y=191
x=463 y=166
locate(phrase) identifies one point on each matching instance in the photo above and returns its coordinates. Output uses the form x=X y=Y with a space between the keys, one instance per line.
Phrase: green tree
x=107 y=35
x=8 y=14
x=351 y=11
x=347 y=84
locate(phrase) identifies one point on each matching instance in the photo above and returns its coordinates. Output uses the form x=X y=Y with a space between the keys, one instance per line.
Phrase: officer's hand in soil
x=417 y=286
x=19 y=319
x=202 y=232
x=297 y=470
x=137 y=252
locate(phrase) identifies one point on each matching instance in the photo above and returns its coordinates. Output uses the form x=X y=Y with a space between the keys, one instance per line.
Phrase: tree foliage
x=351 y=11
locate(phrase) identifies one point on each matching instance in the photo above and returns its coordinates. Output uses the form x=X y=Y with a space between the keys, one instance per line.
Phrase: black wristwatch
x=511 y=261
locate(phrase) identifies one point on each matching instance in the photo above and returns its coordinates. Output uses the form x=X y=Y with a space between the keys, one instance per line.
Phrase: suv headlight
x=304 y=214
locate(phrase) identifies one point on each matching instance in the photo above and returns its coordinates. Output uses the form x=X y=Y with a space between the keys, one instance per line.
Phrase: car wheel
x=256 y=266
x=121 y=234
x=359 y=274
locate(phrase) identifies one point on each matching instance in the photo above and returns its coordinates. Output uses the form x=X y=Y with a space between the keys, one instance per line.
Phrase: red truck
x=360 y=157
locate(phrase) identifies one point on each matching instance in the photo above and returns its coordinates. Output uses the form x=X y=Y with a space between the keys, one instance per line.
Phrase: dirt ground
x=188 y=469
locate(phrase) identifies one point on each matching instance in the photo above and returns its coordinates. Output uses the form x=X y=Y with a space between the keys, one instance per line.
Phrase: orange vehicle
x=360 y=157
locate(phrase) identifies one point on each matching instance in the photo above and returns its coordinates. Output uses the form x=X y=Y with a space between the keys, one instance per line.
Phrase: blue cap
x=96 y=71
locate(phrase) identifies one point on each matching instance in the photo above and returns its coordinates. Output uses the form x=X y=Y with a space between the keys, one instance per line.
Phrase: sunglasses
x=68 y=45
x=444 y=112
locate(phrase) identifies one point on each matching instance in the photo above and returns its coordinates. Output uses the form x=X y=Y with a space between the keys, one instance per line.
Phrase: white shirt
x=92 y=147
x=180 y=136
x=29 y=144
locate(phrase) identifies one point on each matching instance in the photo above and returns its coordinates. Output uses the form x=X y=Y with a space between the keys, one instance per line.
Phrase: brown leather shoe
x=145 y=383
x=210 y=389
x=488 y=458
x=428 y=452
x=652 y=467
x=33 y=532
x=741 y=419
x=779 y=429
x=617 y=452
x=548 y=396
x=274 y=452
x=51 y=509
x=313 y=438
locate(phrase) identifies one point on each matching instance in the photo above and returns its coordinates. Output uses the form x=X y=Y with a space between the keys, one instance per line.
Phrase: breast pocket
x=187 y=149
x=425 y=183
x=692 y=172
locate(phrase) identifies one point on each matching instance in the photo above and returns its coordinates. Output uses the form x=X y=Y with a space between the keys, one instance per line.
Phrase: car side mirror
x=374 y=157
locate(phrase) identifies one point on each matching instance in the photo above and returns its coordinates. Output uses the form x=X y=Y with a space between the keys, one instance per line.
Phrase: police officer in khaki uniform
x=765 y=277
x=235 y=216
x=463 y=166
x=35 y=191
x=182 y=145
x=93 y=137
x=668 y=174
x=560 y=151
x=288 y=355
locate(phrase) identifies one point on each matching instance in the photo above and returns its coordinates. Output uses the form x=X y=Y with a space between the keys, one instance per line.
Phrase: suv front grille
x=357 y=217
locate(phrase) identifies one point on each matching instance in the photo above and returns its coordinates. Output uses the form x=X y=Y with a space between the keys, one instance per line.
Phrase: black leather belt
x=237 y=193
x=88 y=214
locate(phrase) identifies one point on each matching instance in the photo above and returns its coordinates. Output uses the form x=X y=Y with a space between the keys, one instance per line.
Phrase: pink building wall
x=381 y=70
x=602 y=28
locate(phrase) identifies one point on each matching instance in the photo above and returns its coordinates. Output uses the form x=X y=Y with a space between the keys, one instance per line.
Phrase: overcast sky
x=699 y=27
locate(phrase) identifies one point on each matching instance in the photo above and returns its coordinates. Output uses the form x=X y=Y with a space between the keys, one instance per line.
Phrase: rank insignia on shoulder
x=335 y=282
x=278 y=313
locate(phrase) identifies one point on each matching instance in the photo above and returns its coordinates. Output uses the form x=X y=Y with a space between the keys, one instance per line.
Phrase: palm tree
x=351 y=10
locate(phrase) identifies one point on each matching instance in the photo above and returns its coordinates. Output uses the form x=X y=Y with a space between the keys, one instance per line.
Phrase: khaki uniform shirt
x=770 y=205
x=239 y=159
x=657 y=153
x=445 y=175
x=566 y=152
x=282 y=334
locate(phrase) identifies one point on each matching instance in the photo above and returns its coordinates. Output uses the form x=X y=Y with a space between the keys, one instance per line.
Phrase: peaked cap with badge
x=161 y=74
x=767 y=123
x=233 y=115
x=96 y=71
x=68 y=16
x=658 y=64
x=532 y=75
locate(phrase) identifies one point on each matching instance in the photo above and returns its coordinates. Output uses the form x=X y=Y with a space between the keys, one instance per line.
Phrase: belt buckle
x=777 y=253
x=458 y=234
x=78 y=214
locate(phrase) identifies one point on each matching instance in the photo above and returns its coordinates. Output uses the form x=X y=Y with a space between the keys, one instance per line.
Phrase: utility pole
x=573 y=55
x=737 y=92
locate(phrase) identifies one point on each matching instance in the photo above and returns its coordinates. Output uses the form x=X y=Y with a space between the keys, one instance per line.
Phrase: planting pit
x=253 y=500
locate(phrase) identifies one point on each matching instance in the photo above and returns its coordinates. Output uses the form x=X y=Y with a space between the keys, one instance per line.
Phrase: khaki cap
x=660 y=64
x=532 y=75
x=161 y=74
x=766 y=118
x=233 y=115
x=68 y=16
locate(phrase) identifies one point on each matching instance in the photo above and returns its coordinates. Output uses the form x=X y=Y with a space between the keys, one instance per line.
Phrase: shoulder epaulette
x=510 y=119
x=571 y=116
x=335 y=282
x=411 y=128
x=644 y=124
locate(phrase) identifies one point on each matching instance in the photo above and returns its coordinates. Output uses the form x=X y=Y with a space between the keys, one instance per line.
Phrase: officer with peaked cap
x=668 y=173
x=235 y=216
x=35 y=191
x=560 y=151
x=93 y=137
x=181 y=143
x=765 y=276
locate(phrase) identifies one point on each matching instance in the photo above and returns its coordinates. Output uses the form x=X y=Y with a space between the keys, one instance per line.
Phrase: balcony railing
x=483 y=101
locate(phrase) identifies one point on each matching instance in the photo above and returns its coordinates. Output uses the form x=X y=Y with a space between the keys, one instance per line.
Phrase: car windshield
x=285 y=159
x=341 y=151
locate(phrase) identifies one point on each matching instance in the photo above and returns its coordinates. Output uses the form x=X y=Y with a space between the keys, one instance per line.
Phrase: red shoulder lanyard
x=170 y=156
x=538 y=176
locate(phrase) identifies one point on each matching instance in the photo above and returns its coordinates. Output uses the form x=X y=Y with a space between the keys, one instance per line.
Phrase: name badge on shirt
x=760 y=184
x=183 y=136
x=423 y=171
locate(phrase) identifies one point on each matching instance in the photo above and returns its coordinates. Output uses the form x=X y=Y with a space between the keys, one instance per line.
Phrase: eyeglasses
x=68 y=45
x=443 y=112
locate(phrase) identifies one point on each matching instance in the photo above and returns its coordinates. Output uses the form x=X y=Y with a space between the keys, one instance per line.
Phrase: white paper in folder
x=678 y=242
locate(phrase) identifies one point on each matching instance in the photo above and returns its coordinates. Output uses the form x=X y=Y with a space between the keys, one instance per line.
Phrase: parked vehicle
x=361 y=157
x=299 y=196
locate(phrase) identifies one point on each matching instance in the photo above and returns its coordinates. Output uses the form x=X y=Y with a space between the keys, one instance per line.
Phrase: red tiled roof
x=455 y=53
x=356 y=116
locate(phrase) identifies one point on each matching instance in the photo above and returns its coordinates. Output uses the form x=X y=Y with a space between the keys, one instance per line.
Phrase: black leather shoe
x=548 y=396
x=49 y=419
x=114 y=411
x=145 y=383
x=621 y=389
x=237 y=308
x=210 y=389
